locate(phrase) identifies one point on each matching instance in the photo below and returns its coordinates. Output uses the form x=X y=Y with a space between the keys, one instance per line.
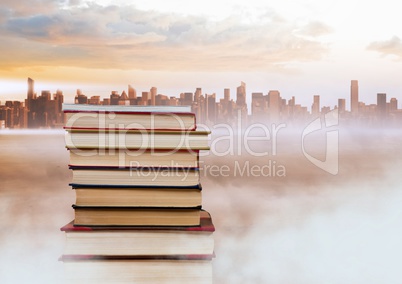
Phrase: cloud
x=33 y=7
x=315 y=29
x=392 y=46
x=124 y=37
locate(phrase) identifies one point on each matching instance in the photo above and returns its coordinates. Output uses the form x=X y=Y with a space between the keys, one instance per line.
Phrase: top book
x=116 y=117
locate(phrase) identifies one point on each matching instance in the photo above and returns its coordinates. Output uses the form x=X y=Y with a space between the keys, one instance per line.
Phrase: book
x=124 y=108
x=137 y=176
x=141 y=241
x=128 y=117
x=137 y=139
x=139 y=196
x=133 y=158
x=136 y=216
x=141 y=271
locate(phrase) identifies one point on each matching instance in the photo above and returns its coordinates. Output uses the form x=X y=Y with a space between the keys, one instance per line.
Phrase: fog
x=295 y=224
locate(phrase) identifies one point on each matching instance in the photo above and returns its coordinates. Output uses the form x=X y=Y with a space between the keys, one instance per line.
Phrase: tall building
x=132 y=93
x=274 y=100
x=241 y=105
x=393 y=104
x=145 y=96
x=259 y=105
x=241 y=95
x=381 y=105
x=226 y=94
x=211 y=108
x=341 y=105
x=315 y=107
x=153 y=92
x=197 y=94
x=7 y=115
x=30 y=93
x=354 y=97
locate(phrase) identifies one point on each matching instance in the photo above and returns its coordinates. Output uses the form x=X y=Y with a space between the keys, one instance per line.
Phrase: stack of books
x=138 y=210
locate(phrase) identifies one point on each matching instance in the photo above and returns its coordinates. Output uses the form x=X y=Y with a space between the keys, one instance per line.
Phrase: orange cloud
x=115 y=37
x=392 y=46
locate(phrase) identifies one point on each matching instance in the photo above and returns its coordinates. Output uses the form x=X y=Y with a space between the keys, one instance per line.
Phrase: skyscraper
x=274 y=100
x=30 y=93
x=354 y=97
x=259 y=106
x=315 y=108
x=241 y=95
x=381 y=105
x=226 y=94
x=153 y=92
x=197 y=94
x=132 y=94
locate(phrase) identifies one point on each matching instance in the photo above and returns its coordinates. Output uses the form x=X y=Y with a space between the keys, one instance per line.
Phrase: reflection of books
x=139 y=176
x=141 y=241
x=145 y=271
x=139 y=196
x=136 y=216
x=133 y=158
x=128 y=117
x=137 y=139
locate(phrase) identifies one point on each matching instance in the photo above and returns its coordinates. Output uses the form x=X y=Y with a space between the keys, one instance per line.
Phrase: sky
x=301 y=48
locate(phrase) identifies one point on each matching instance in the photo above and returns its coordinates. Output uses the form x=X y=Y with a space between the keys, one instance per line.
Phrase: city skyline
x=298 y=47
x=39 y=111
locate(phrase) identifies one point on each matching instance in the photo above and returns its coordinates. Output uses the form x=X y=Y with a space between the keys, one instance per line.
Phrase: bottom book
x=141 y=241
x=143 y=271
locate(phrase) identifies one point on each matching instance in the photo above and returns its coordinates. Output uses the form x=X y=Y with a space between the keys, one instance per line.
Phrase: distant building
x=94 y=100
x=341 y=105
x=132 y=93
x=381 y=105
x=259 y=107
x=274 y=100
x=186 y=99
x=315 y=107
x=153 y=92
x=123 y=99
x=241 y=95
x=241 y=104
x=354 y=97
x=114 y=98
x=393 y=105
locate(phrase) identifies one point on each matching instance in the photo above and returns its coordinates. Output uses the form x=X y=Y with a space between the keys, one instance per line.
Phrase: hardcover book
x=139 y=196
x=137 y=139
x=136 y=216
x=141 y=241
x=126 y=120
x=138 y=176
x=134 y=158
